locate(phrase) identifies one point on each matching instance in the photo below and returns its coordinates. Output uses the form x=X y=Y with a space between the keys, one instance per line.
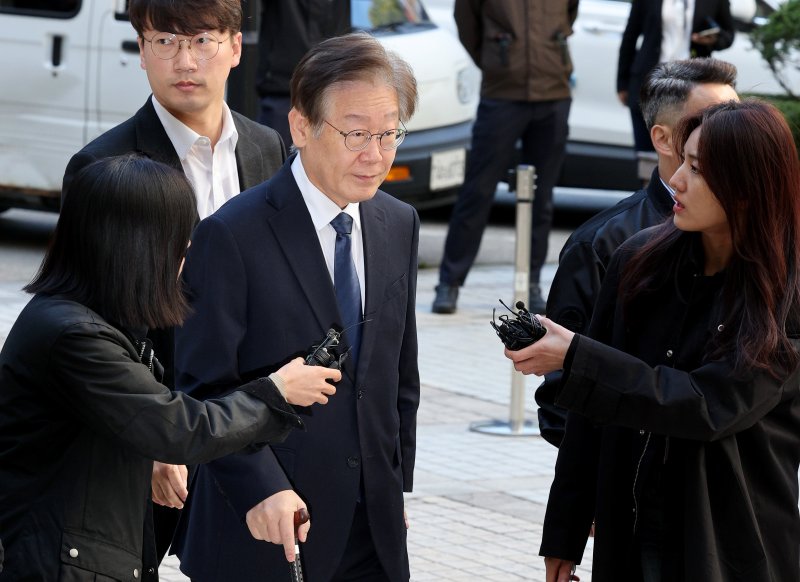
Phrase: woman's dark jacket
x=727 y=449
x=81 y=421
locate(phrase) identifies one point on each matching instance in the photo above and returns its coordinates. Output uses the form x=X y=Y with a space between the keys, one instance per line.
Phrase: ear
x=661 y=136
x=299 y=128
x=236 y=47
x=142 y=64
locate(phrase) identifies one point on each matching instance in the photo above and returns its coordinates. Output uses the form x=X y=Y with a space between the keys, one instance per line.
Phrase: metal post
x=517 y=425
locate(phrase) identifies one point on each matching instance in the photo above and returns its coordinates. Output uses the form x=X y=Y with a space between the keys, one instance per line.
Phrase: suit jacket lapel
x=249 y=161
x=152 y=140
x=373 y=224
x=295 y=233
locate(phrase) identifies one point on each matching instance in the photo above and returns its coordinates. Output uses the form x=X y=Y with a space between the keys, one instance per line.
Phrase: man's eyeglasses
x=359 y=139
x=203 y=46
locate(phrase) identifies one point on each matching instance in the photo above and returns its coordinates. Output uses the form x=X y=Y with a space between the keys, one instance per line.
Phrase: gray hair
x=348 y=58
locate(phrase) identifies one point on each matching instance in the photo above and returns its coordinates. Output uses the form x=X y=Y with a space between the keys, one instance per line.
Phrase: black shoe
x=536 y=303
x=446 y=297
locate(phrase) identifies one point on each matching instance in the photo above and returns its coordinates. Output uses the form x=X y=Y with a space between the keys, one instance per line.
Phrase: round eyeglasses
x=203 y=46
x=359 y=139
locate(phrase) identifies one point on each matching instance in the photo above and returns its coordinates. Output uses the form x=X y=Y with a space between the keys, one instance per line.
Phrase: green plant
x=779 y=40
x=790 y=107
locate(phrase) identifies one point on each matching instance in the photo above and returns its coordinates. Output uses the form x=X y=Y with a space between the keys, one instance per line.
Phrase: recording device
x=518 y=330
x=326 y=353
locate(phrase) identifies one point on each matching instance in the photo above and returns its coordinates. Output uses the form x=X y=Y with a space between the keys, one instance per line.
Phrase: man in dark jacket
x=288 y=30
x=521 y=48
x=671 y=91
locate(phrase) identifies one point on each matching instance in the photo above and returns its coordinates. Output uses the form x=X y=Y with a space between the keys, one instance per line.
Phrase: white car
x=600 y=150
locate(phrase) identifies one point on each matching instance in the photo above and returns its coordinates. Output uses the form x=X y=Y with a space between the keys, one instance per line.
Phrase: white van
x=70 y=71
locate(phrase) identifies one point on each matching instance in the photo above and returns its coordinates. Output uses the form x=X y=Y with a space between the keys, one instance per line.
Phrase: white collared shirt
x=323 y=210
x=211 y=172
x=667 y=187
x=676 y=29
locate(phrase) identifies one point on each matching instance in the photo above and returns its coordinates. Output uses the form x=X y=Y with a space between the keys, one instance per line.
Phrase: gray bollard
x=517 y=425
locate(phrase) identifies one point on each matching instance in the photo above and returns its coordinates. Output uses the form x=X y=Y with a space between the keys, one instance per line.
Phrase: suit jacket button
x=360 y=394
x=73 y=553
x=353 y=462
x=135 y=572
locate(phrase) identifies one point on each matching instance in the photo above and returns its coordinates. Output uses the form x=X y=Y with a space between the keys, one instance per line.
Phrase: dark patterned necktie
x=345 y=280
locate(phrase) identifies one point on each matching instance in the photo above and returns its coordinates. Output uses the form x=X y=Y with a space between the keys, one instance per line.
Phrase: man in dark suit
x=268 y=275
x=187 y=124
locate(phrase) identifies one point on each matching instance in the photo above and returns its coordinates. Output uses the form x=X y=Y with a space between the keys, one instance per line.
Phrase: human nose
x=373 y=150
x=677 y=182
x=185 y=59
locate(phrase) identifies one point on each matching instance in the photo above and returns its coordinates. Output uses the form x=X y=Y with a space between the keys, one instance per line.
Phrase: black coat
x=582 y=267
x=288 y=31
x=727 y=449
x=81 y=421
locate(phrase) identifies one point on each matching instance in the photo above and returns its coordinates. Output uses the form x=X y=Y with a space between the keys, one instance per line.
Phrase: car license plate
x=447 y=168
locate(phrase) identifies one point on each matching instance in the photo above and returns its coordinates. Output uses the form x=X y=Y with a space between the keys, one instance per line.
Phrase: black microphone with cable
x=518 y=330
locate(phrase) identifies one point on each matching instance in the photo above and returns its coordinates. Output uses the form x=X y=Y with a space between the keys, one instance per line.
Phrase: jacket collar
x=152 y=140
x=298 y=239
x=659 y=196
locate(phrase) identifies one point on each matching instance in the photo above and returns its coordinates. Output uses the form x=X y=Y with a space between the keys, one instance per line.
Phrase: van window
x=381 y=15
x=43 y=8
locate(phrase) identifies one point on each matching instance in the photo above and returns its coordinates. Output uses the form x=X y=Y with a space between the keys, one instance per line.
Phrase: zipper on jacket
x=636 y=478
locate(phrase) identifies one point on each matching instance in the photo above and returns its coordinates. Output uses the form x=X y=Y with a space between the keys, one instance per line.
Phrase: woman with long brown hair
x=683 y=438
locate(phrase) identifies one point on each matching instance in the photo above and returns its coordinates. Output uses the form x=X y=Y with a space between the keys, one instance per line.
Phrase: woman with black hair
x=82 y=413
x=683 y=437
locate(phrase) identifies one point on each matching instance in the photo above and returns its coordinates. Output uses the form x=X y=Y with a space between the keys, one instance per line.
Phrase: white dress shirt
x=323 y=210
x=676 y=29
x=211 y=172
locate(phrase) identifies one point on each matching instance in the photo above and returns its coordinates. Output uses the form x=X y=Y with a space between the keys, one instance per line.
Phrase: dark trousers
x=274 y=113
x=165 y=520
x=360 y=561
x=641 y=135
x=542 y=127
